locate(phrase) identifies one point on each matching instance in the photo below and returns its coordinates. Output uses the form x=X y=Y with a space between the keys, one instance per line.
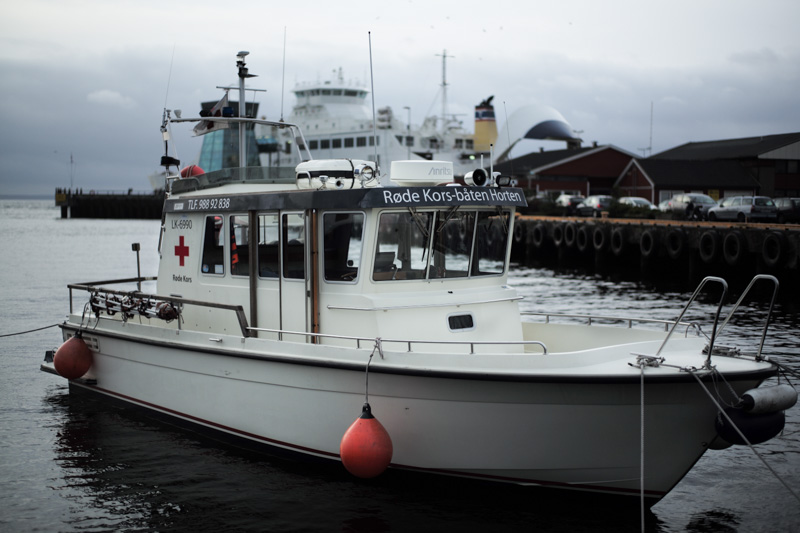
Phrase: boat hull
x=530 y=430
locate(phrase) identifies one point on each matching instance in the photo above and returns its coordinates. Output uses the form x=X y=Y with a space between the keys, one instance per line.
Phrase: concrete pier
x=683 y=251
x=109 y=204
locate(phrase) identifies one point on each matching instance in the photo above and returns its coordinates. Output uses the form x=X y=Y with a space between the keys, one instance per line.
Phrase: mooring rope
x=774 y=473
x=29 y=331
x=641 y=444
x=379 y=347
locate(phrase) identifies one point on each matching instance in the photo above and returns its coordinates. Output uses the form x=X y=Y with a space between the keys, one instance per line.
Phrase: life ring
x=618 y=241
x=570 y=233
x=772 y=249
x=708 y=246
x=600 y=239
x=648 y=243
x=674 y=242
x=734 y=247
x=558 y=234
x=519 y=231
x=538 y=235
x=583 y=239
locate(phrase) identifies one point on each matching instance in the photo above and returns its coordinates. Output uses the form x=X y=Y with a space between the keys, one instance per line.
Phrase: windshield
x=442 y=244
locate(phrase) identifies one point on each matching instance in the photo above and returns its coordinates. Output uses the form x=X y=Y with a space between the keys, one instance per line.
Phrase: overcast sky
x=90 y=78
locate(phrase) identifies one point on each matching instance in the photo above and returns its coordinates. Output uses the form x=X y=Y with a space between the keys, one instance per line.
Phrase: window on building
x=348 y=142
x=313 y=144
x=325 y=144
x=361 y=141
x=336 y=143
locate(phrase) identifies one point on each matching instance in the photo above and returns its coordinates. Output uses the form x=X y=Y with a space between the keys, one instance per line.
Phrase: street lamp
x=408 y=131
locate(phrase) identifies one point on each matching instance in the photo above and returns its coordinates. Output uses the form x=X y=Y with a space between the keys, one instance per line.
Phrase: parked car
x=788 y=209
x=744 y=208
x=692 y=205
x=664 y=205
x=636 y=201
x=569 y=202
x=593 y=206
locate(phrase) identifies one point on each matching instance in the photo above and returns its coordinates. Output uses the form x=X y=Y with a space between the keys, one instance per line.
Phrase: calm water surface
x=68 y=464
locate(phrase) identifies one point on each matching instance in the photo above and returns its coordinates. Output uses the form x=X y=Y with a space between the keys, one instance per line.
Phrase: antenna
x=651 y=127
x=283 y=73
x=169 y=76
x=508 y=135
x=649 y=148
x=444 y=86
x=372 y=87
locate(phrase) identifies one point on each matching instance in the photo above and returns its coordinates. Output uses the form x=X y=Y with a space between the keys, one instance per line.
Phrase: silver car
x=744 y=209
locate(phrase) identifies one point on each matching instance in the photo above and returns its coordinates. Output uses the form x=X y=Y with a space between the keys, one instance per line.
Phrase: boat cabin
x=336 y=254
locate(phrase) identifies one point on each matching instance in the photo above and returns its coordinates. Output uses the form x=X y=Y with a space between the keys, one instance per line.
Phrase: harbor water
x=72 y=464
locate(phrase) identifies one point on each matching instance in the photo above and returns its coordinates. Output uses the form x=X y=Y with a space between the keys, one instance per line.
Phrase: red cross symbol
x=182 y=250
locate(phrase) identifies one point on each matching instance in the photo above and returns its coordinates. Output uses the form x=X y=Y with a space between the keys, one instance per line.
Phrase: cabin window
x=213 y=246
x=240 y=249
x=452 y=242
x=342 y=244
x=269 y=247
x=445 y=244
x=402 y=247
x=491 y=243
x=294 y=246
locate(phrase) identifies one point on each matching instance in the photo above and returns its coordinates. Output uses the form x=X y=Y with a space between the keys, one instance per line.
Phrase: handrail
x=629 y=320
x=90 y=286
x=408 y=342
x=769 y=313
x=716 y=315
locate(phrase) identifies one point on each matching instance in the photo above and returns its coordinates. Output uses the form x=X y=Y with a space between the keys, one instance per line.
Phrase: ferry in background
x=336 y=118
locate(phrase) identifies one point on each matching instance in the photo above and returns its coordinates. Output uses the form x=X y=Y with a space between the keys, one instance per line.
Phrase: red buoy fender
x=366 y=448
x=73 y=358
x=191 y=170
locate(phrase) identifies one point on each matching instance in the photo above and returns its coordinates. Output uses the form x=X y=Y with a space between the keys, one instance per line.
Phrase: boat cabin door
x=282 y=280
x=294 y=302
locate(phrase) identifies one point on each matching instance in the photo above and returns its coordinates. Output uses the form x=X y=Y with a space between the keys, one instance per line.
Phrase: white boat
x=281 y=306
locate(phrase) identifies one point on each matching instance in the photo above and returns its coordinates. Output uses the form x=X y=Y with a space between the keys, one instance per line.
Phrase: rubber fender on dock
x=539 y=233
x=558 y=234
x=734 y=248
x=674 y=243
x=583 y=238
x=648 y=243
x=618 y=241
x=772 y=249
x=708 y=247
x=600 y=238
x=570 y=233
x=519 y=231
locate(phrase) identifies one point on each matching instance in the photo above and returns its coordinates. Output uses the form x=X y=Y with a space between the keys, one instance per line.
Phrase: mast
x=444 y=87
x=243 y=74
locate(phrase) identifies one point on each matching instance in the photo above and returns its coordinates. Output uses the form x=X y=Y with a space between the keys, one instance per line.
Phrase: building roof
x=746 y=148
x=538 y=161
x=684 y=174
